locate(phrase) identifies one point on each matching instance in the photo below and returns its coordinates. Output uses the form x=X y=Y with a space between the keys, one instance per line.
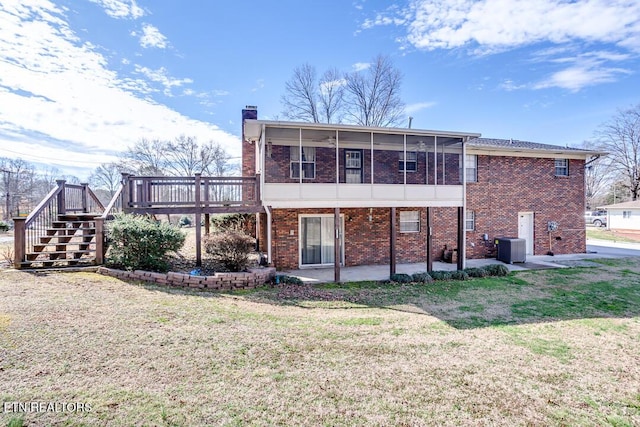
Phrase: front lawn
x=547 y=347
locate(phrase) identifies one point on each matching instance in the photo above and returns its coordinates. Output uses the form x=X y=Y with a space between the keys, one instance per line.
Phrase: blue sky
x=80 y=80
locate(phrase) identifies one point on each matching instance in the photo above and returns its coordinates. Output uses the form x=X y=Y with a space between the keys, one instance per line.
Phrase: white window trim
x=412 y=221
x=402 y=164
x=294 y=159
x=564 y=168
x=472 y=220
x=471 y=167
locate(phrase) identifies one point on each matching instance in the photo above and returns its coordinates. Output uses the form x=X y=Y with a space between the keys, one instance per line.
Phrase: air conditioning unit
x=511 y=249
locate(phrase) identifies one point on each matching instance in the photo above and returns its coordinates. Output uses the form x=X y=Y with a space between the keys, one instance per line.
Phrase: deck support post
x=99 y=221
x=19 y=243
x=460 y=243
x=198 y=221
x=336 y=245
x=429 y=241
x=392 y=241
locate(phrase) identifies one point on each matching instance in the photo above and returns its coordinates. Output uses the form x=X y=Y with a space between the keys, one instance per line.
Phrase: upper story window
x=411 y=163
x=471 y=166
x=626 y=214
x=562 y=167
x=409 y=221
x=308 y=162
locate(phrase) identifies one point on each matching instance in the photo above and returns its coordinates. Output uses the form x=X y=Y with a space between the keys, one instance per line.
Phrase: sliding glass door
x=317 y=239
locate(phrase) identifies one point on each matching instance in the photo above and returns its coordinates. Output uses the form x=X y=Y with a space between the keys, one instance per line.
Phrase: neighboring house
x=623 y=216
x=444 y=190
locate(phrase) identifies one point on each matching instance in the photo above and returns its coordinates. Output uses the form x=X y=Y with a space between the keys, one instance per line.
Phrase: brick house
x=330 y=193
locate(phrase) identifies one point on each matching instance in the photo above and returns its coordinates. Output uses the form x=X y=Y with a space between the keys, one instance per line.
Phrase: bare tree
x=372 y=96
x=216 y=160
x=18 y=183
x=184 y=156
x=300 y=99
x=331 y=96
x=106 y=177
x=598 y=177
x=620 y=136
x=146 y=157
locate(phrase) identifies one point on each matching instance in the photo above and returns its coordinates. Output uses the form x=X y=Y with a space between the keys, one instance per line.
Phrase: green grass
x=548 y=347
x=609 y=235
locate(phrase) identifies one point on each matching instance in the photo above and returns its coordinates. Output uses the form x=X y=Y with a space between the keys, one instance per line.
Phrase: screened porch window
x=308 y=162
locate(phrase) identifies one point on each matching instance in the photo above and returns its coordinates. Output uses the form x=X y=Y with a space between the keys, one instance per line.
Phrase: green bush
x=459 y=275
x=422 y=278
x=400 y=278
x=476 y=272
x=141 y=243
x=497 y=270
x=4 y=226
x=291 y=280
x=440 y=275
x=231 y=249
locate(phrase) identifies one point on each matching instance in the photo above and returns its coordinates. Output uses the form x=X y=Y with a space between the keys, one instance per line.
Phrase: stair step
x=41 y=247
x=67 y=238
x=67 y=231
x=74 y=224
x=57 y=263
x=57 y=255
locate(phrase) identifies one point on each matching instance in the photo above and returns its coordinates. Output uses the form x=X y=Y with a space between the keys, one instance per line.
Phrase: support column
x=207 y=224
x=19 y=242
x=392 y=241
x=429 y=241
x=460 y=244
x=336 y=245
x=99 y=221
x=198 y=221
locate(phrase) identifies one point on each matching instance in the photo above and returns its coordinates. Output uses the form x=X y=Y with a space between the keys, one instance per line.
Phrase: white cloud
x=120 y=9
x=359 y=66
x=67 y=105
x=161 y=76
x=495 y=25
x=152 y=37
x=567 y=29
x=418 y=106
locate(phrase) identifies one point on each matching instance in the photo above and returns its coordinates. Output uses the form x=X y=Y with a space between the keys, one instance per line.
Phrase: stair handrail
x=38 y=209
x=95 y=199
x=116 y=196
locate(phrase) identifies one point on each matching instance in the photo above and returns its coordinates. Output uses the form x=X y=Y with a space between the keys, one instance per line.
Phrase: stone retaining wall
x=219 y=281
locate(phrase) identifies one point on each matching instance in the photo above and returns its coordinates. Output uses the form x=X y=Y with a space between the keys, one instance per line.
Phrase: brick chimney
x=248 y=149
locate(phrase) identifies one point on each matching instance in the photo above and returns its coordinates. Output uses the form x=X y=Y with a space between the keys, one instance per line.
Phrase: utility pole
x=7 y=195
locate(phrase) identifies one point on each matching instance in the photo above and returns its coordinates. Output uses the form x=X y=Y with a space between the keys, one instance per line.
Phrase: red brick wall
x=385 y=165
x=366 y=241
x=508 y=185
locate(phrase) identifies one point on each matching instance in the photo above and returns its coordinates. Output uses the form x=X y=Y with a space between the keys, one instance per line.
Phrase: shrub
x=233 y=222
x=422 y=278
x=459 y=275
x=476 y=272
x=4 y=226
x=497 y=270
x=230 y=248
x=139 y=242
x=185 y=221
x=440 y=275
x=291 y=280
x=400 y=278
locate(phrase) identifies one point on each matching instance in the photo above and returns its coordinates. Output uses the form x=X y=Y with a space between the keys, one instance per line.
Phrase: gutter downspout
x=267 y=209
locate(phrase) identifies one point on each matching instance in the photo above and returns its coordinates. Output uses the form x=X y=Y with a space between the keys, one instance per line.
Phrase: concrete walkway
x=381 y=272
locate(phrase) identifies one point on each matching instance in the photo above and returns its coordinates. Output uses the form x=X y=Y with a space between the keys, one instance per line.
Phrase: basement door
x=317 y=241
x=525 y=230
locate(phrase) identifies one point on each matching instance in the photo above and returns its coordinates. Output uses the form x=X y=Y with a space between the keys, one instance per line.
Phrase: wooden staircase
x=70 y=240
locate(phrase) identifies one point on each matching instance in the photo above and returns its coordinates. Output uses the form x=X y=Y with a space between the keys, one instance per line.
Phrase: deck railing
x=64 y=198
x=164 y=194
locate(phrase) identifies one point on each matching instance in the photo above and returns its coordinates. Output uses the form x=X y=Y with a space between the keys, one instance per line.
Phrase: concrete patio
x=381 y=272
